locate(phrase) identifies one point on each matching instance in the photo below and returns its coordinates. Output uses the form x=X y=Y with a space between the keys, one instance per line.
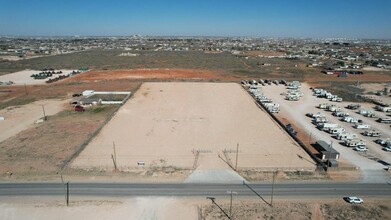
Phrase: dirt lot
x=142 y=74
x=303 y=209
x=19 y=118
x=184 y=118
x=42 y=149
x=180 y=208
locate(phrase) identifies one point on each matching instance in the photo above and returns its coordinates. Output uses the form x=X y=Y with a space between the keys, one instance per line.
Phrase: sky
x=255 y=18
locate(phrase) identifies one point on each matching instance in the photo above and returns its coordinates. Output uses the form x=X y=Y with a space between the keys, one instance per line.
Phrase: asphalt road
x=291 y=190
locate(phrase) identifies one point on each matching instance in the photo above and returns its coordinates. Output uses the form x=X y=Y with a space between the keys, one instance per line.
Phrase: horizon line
x=186 y=36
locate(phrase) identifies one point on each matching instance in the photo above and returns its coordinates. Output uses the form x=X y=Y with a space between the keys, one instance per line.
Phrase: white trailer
x=263 y=99
x=383 y=109
x=336 y=130
x=326 y=126
x=318 y=115
x=350 y=119
x=340 y=114
x=370 y=114
x=334 y=108
x=362 y=126
x=383 y=141
x=320 y=120
x=292 y=97
x=366 y=113
x=324 y=105
x=353 y=106
x=384 y=120
x=346 y=136
x=372 y=133
x=355 y=143
x=272 y=107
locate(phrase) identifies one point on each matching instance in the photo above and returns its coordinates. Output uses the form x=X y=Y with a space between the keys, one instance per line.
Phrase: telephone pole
x=114 y=158
x=274 y=176
x=222 y=210
x=237 y=152
x=230 y=204
x=44 y=114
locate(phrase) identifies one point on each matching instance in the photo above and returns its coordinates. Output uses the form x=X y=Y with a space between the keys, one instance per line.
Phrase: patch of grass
x=18 y=101
x=109 y=60
x=347 y=92
x=98 y=109
x=109 y=97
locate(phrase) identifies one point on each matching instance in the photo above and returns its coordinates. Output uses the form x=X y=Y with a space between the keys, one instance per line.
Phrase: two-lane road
x=310 y=190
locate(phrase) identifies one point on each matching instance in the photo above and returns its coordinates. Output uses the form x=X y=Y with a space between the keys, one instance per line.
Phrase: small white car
x=354 y=200
x=360 y=149
x=387 y=149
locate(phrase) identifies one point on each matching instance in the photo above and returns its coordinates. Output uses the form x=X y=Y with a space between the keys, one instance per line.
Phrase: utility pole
x=114 y=158
x=230 y=204
x=44 y=114
x=213 y=201
x=237 y=152
x=244 y=183
x=63 y=184
x=25 y=89
x=274 y=176
x=68 y=193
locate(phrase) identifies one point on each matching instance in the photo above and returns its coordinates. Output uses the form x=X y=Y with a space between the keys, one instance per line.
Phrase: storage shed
x=326 y=152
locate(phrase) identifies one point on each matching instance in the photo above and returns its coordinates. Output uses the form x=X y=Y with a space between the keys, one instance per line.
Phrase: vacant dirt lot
x=140 y=74
x=19 y=118
x=42 y=149
x=189 y=208
x=165 y=124
x=303 y=209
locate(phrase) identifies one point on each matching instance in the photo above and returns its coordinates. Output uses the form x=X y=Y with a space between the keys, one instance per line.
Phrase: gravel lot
x=295 y=111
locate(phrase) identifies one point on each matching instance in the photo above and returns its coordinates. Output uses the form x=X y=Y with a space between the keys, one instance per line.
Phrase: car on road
x=354 y=200
x=360 y=149
x=388 y=148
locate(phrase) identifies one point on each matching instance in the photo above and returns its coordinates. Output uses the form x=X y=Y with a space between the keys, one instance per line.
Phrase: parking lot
x=294 y=112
